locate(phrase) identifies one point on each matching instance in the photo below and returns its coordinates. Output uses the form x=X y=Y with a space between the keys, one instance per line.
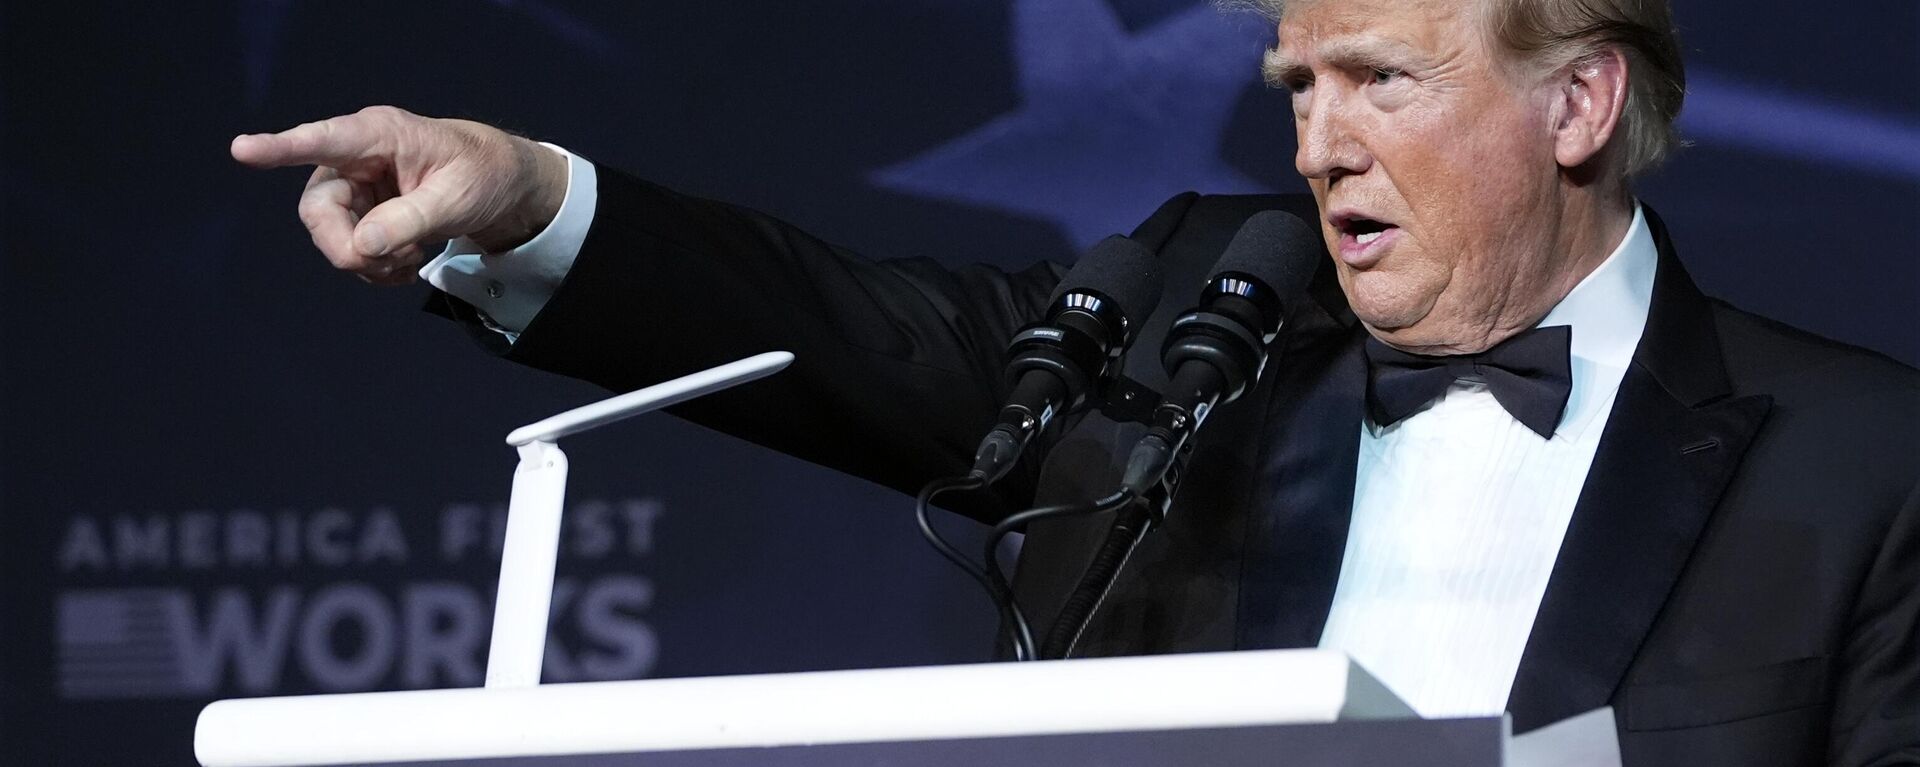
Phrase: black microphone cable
x=1014 y=627
x=1010 y=616
x=1022 y=630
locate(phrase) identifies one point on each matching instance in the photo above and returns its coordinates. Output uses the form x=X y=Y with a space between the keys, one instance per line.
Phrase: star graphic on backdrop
x=1110 y=123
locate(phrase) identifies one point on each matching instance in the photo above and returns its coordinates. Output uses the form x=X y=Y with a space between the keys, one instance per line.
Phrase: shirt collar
x=1608 y=309
x=1607 y=312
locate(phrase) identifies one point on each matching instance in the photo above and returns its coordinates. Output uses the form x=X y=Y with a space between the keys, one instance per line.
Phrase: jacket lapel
x=1672 y=442
x=1296 y=533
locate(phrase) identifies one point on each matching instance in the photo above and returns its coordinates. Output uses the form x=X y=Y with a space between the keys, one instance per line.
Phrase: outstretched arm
x=898 y=362
x=897 y=373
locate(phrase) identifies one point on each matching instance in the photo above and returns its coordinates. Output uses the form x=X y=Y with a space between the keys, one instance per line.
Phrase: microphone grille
x=1278 y=250
x=1120 y=270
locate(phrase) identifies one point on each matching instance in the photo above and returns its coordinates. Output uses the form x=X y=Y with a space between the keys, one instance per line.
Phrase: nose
x=1330 y=137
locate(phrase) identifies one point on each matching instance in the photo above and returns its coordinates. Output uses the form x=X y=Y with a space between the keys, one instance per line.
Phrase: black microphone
x=1052 y=365
x=1215 y=351
x=1213 y=354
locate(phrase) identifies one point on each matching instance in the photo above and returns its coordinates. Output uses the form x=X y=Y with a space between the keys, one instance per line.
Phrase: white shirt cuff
x=509 y=288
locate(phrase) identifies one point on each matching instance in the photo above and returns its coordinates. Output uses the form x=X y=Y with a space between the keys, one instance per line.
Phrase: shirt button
x=495 y=289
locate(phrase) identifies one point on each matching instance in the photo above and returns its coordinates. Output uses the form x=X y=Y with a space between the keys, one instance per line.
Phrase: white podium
x=1226 y=709
x=994 y=700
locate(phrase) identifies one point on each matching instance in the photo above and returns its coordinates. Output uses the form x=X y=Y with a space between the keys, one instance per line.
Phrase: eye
x=1297 y=84
x=1384 y=75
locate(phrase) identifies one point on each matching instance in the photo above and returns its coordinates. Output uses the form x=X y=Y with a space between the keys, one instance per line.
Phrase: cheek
x=1467 y=176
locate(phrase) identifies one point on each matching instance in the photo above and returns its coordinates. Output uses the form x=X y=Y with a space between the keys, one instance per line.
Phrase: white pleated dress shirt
x=1458 y=510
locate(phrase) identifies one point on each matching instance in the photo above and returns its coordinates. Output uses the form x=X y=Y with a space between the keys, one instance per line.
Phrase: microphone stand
x=1131 y=525
x=1129 y=528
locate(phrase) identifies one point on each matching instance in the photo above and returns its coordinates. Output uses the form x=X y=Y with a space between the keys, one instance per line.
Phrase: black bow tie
x=1528 y=374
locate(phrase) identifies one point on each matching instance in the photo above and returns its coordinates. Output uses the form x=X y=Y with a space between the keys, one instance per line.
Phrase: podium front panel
x=1402 y=743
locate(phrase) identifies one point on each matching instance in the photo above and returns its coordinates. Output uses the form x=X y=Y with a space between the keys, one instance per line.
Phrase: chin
x=1386 y=314
x=1405 y=339
x=1405 y=327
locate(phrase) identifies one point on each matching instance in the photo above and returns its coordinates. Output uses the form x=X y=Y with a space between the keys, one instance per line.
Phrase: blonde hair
x=1547 y=35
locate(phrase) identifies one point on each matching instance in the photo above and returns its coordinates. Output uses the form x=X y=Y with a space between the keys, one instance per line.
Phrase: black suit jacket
x=1740 y=580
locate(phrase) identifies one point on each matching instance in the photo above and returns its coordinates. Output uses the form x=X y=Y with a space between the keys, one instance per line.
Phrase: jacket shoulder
x=1768 y=356
x=1210 y=217
x=1845 y=416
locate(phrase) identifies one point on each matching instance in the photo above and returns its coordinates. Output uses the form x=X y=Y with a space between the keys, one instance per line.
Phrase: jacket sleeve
x=1877 y=692
x=897 y=363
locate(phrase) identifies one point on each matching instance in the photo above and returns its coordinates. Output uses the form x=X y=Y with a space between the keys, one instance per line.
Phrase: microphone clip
x=1125 y=400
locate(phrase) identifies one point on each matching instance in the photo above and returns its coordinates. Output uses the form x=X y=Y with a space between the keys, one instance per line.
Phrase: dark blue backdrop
x=231 y=471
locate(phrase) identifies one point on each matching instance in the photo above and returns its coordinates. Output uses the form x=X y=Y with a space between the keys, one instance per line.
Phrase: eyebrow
x=1278 y=68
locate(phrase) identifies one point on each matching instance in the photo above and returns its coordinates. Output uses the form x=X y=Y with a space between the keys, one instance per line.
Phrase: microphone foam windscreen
x=1276 y=248
x=1124 y=271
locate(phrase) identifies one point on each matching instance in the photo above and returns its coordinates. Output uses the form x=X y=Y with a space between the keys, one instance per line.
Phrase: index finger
x=332 y=142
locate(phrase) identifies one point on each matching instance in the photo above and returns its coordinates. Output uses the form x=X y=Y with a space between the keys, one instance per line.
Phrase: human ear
x=1592 y=96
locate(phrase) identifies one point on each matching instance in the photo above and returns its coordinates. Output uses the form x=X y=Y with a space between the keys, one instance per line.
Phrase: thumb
x=401 y=221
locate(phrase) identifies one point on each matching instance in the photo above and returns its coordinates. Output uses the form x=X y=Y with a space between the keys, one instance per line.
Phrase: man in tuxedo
x=1507 y=455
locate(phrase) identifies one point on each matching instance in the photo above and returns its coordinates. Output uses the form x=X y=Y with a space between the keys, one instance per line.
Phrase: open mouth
x=1362 y=239
x=1363 y=230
